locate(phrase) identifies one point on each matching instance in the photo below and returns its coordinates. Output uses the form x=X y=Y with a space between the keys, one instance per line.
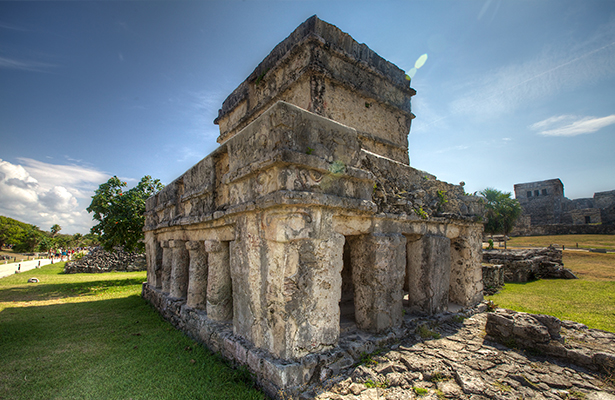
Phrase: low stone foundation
x=277 y=377
x=529 y=264
x=571 y=341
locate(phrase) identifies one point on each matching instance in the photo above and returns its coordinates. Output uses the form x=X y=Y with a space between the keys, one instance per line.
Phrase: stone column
x=466 y=285
x=428 y=274
x=197 y=276
x=378 y=269
x=219 y=284
x=286 y=265
x=154 y=260
x=167 y=260
x=179 y=269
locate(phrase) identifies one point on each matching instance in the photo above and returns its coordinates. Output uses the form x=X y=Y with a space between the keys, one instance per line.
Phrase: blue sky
x=511 y=92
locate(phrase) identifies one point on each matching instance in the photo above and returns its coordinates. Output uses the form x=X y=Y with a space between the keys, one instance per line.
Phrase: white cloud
x=24 y=65
x=45 y=194
x=569 y=125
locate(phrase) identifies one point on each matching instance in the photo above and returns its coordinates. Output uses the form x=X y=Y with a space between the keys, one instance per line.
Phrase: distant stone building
x=544 y=204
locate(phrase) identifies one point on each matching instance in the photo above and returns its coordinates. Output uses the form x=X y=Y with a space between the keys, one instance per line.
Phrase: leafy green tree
x=46 y=243
x=77 y=239
x=502 y=212
x=120 y=214
x=90 y=239
x=11 y=230
x=28 y=240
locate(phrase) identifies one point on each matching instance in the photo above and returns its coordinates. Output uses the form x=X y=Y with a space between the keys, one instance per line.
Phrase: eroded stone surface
x=528 y=264
x=462 y=364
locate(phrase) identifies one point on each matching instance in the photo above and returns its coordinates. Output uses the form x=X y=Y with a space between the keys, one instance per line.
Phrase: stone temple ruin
x=307 y=222
x=547 y=211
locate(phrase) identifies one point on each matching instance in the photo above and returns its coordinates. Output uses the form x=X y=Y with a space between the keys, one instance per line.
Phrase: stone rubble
x=99 y=260
x=451 y=358
x=528 y=264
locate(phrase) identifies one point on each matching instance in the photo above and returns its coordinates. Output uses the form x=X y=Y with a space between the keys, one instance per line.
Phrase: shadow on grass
x=52 y=291
x=111 y=348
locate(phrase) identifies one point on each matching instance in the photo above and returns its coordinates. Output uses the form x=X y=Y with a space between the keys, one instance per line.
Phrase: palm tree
x=502 y=212
x=55 y=229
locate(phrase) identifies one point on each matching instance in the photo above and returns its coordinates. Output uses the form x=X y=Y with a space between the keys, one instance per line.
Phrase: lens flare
x=418 y=64
x=421 y=61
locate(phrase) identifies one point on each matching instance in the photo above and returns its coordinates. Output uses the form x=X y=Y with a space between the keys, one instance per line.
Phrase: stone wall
x=529 y=264
x=99 y=260
x=493 y=279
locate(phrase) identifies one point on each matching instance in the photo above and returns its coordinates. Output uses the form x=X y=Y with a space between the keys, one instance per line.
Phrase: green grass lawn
x=91 y=336
x=569 y=241
x=589 y=299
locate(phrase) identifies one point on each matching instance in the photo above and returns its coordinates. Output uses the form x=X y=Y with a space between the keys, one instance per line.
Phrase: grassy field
x=91 y=336
x=569 y=241
x=589 y=299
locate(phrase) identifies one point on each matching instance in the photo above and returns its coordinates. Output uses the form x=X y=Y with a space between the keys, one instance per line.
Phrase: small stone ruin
x=308 y=222
x=523 y=265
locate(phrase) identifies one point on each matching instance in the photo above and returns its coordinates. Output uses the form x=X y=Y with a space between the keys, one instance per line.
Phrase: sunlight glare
x=421 y=61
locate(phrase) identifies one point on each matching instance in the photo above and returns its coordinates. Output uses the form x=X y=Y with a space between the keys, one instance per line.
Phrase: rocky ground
x=453 y=360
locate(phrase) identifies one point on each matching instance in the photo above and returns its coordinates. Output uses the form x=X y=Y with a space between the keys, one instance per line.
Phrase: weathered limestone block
x=197 y=283
x=290 y=280
x=199 y=184
x=428 y=274
x=219 y=285
x=179 y=269
x=378 y=270
x=466 y=281
x=493 y=278
x=167 y=261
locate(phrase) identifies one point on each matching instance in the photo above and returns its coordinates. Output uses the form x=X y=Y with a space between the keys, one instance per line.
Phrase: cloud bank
x=45 y=194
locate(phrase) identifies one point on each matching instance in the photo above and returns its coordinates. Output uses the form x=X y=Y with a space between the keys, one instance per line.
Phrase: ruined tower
x=307 y=222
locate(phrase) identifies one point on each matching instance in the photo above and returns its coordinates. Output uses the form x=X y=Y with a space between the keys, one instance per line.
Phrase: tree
x=11 y=230
x=120 y=214
x=55 y=229
x=502 y=212
x=28 y=240
x=77 y=239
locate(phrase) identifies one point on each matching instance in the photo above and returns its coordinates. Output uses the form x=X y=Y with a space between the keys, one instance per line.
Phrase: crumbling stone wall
x=99 y=260
x=528 y=264
x=309 y=217
x=493 y=278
